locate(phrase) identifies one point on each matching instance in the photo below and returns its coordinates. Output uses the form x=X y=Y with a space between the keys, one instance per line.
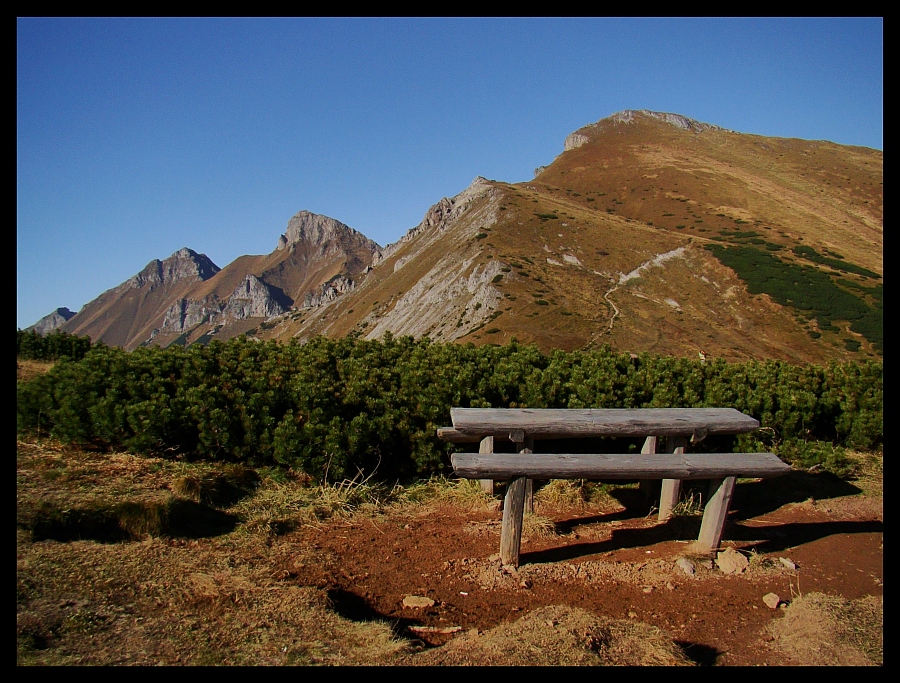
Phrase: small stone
x=632 y=615
x=525 y=583
x=417 y=601
x=670 y=586
x=771 y=600
x=787 y=563
x=731 y=562
x=685 y=565
x=648 y=589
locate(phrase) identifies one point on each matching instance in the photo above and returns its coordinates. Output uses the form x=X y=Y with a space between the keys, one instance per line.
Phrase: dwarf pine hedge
x=334 y=408
x=57 y=344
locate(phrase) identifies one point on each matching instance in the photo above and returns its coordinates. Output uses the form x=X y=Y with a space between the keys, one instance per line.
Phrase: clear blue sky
x=136 y=137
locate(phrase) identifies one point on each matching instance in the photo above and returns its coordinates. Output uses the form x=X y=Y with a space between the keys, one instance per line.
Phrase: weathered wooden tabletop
x=470 y=424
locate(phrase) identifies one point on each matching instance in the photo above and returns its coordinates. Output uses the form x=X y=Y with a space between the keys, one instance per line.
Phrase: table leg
x=714 y=514
x=649 y=487
x=513 y=517
x=671 y=488
x=487 y=446
x=526 y=445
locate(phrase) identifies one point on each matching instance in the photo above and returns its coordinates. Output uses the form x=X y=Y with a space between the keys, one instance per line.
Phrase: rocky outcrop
x=677 y=120
x=440 y=215
x=331 y=290
x=447 y=302
x=183 y=264
x=573 y=141
x=185 y=314
x=253 y=298
x=52 y=322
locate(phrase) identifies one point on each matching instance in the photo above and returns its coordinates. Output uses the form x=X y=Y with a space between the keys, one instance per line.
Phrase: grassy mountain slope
x=608 y=245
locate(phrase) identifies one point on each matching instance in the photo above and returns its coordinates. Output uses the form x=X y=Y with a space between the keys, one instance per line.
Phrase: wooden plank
x=714 y=514
x=487 y=446
x=552 y=423
x=649 y=486
x=617 y=466
x=513 y=517
x=452 y=436
x=671 y=488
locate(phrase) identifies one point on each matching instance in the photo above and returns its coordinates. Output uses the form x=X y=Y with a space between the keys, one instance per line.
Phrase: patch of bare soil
x=281 y=572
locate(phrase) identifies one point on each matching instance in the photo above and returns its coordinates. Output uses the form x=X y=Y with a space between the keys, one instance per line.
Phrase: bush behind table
x=334 y=408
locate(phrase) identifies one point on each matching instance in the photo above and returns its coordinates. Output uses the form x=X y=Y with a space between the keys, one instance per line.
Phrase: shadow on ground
x=766 y=538
x=128 y=521
x=354 y=607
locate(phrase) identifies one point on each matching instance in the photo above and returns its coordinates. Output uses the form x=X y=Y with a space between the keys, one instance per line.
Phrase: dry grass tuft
x=27 y=370
x=571 y=493
x=538 y=526
x=690 y=505
x=823 y=630
x=559 y=635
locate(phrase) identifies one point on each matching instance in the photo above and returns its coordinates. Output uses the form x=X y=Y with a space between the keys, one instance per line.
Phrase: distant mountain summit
x=183 y=264
x=187 y=296
x=650 y=231
x=127 y=312
x=52 y=322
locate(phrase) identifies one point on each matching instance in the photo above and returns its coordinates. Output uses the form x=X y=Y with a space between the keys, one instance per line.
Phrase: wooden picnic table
x=524 y=426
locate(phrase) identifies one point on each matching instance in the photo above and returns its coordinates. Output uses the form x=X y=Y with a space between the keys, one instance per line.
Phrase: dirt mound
x=559 y=635
x=826 y=630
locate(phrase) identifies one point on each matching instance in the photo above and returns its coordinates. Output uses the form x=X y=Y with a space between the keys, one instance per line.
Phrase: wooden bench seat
x=615 y=466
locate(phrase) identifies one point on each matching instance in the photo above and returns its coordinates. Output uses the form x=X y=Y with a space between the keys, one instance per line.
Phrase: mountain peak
x=677 y=120
x=314 y=228
x=184 y=263
x=52 y=322
x=626 y=116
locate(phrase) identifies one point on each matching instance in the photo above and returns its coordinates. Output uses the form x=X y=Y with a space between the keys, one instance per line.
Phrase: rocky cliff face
x=331 y=290
x=253 y=298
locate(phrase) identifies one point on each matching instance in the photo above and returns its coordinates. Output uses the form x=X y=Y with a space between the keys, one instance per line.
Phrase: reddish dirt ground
x=615 y=561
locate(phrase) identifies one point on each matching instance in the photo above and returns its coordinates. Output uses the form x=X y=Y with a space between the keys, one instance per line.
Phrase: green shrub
x=53 y=346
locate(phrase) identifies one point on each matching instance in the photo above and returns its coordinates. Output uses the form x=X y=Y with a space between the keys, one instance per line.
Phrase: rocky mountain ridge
x=614 y=242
